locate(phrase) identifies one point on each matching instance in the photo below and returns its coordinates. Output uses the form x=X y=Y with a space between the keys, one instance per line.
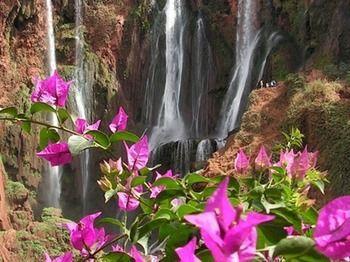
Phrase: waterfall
x=204 y=150
x=176 y=99
x=169 y=124
x=202 y=67
x=247 y=39
x=53 y=189
x=80 y=96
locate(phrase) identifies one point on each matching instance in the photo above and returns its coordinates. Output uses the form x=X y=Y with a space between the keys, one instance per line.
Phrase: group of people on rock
x=262 y=84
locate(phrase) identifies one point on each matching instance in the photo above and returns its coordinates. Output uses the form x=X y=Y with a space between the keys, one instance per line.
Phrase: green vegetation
x=316 y=109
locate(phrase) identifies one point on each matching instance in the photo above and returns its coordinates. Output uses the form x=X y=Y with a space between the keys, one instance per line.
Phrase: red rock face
x=4 y=219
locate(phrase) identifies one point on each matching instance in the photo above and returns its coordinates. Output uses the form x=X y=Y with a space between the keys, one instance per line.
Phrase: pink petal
x=332 y=232
x=119 y=122
x=263 y=160
x=135 y=254
x=241 y=162
x=207 y=222
x=187 y=252
x=89 y=220
x=221 y=205
x=66 y=257
x=127 y=202
x=137 y=154
x=57 y=154
x=80 y=125
x=52 y=90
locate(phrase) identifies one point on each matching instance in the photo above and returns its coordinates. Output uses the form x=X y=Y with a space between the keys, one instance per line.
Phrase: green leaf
x=168 y=182
x=268 y=206
x=319 y=184
x=109 y=194
x=111 y=221
x=63 y=115
x=41 y=107
x=138 y=180
x=46 y=135
x=134 y=230
x=147 y=170
x=310 y=216
x=100 y=138
x=205 y=255
x=186 y=209
x=124 y=136
x=77 y=144
x=169 y=194
x=146 y=205
x=289 y=216
x=12 y=111
x=193 y=178
x=279 y=170
x=116 y=257
x=26 y=126
x=165 y=213
x=298 y=248
x=152 y=225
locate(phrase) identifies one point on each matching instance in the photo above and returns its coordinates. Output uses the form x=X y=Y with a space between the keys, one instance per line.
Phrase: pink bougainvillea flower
x=137 y=154
x=57 y=154
x=187 y=252
x=241 y=162
x=66 y=257
x=332 y=232
x=112 y=166
x=155 y=190
x=119 y=122
x=227 y=235
x=292 y=232
x=127 y=202
x=263 y=160
x=135 y=254
x=52 y=90
x=287 y=161
x=85 y=237
x=300 y=165
x=81 y=126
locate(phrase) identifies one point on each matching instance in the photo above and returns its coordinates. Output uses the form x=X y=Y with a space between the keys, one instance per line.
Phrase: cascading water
x=202 y=67
x=170 y=125
x=53 y=189
x=170 y=122
x=80 y=97
x=246 y=42
x=204 y=150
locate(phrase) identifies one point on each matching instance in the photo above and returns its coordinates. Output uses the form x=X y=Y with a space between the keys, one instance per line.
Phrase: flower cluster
x=228 y=235
x=54 y=91
x=188 y=216
x=296 y=164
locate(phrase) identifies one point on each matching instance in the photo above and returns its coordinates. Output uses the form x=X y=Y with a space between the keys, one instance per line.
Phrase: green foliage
x=337 y=71
x=15 y=191
x=295 y=83
x=292 y=140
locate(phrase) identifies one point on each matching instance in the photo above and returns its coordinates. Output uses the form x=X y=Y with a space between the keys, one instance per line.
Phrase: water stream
x=170 y=125
x=247 y=39
x=53 y=190
x=81 y=98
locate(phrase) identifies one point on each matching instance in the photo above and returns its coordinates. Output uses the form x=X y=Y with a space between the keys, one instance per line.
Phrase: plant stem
x=104 y=246
x=40 y=123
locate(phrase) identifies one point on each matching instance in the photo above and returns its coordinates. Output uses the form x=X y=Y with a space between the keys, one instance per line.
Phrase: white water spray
x=246 y=42
x=80 y=97
x=53 y=192
x=170 y=125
